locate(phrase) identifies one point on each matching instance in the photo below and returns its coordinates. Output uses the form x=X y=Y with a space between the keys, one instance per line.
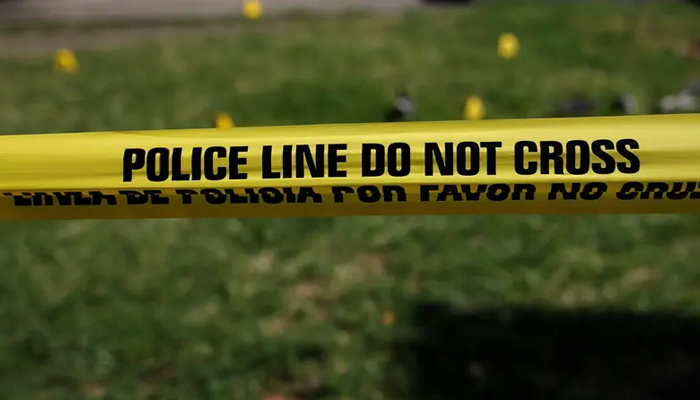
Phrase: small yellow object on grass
x=223 y=121
x=252 y=9
x=388 y=318
x=508 y=46
x=473 y=108
x=65 y=61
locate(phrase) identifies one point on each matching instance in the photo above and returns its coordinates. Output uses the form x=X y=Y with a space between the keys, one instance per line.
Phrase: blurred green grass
x=234 y=309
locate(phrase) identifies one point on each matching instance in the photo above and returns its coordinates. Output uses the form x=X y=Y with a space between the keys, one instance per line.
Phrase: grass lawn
x=353 y=308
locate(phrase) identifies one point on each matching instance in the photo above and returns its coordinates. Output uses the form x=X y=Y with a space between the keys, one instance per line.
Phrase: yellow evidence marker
x=223 y=121
x=473 y=108
x=252 y=9
x=508 y=46
x=388 y=318
x=65 y=61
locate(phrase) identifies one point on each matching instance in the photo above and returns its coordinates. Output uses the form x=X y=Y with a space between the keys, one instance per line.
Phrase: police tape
x=645 y=164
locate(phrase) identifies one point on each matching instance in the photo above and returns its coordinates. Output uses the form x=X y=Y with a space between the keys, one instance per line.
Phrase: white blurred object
x=403 y=107
x=668 y=104
x=630 y=103
x=682 y=102
x=686 y=102
x=404 y=104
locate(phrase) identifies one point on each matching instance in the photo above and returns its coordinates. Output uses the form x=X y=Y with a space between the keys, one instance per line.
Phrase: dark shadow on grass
x=538 y=354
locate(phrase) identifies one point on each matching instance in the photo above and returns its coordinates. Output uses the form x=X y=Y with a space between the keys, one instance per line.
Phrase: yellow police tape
x=646 y=164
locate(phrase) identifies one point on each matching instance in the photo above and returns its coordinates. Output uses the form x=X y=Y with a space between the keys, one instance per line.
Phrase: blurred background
x=584 y=307
x=164 y=10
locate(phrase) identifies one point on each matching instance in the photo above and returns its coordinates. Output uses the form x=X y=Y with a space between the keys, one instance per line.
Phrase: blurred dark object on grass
x=525 y=353
x=693 y=88
x=576 y=106
x=624 y=104
x=403 y=107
